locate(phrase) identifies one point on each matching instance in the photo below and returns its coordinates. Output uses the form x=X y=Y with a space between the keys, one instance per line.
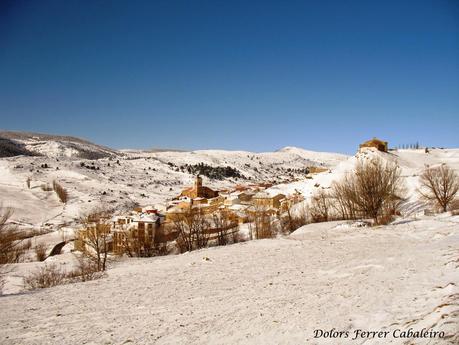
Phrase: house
x=217 y=201
x=199 y=191
x=373 y=144
x=96 y=228
x=232 y=200
x=246 y=197
x=266 y=200
x=135 y=233
x=150 y=210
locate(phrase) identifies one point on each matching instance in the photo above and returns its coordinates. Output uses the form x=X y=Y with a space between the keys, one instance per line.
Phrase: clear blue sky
x=254 y=75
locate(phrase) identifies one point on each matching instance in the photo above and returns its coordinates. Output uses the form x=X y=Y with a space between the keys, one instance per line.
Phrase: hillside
x=54 y=146
x=124 y=178
x=412 y=163
x=323 y=276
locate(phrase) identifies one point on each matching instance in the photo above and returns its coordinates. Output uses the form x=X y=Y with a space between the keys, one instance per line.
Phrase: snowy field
x=329 y=276
x=323 y=276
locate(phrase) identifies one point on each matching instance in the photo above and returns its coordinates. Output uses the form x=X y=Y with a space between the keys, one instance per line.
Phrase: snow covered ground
x=323 y=276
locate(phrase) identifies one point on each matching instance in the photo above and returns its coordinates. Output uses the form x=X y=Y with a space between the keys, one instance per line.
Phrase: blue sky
x=252 y=75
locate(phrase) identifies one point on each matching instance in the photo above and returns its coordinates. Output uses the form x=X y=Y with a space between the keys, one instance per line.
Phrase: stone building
x=374 y=144
x=199 y=191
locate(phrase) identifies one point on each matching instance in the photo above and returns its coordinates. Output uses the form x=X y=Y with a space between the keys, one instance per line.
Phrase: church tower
x=198 y=184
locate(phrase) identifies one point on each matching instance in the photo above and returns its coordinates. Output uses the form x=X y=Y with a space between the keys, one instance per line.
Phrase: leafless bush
x=40 y=251
x=86 y=270
x=192 y=227
x=28 y=181
x=454 y=207
x=374 y=190
x=342 y=193
x=61 y=192
x=47 y=276
x=320 y=206
x=439 y=185
x=12 y=244
x=385 y=218
x=294 y=217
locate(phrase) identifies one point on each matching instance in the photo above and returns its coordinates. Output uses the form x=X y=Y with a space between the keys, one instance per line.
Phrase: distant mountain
x=55 y=146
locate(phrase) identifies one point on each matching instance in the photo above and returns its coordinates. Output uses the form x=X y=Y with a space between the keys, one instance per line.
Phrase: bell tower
x=198 y=184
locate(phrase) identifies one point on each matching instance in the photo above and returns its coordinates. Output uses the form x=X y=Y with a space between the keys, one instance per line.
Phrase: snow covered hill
x=123 y=178
x=323 y=276
x=412 y=163
x=54 y=146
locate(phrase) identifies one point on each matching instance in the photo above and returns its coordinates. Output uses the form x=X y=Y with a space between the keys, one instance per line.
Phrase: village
x=200 y=217
x=148 y=231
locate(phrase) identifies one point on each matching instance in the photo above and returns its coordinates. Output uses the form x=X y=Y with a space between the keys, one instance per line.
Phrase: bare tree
x=320 y=206
x=95 y=236
x=224 y=225
x=28 y=181
x=375 y=189
x=439 y=185
x=261 y=222
x=193 y=228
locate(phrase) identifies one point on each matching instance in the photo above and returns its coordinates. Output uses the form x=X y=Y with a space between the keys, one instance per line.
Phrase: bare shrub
x=28 y=181
x=61 y=192
x=385 y=218
x=294 y=217
x=47 y=276
x=343 y=203
x=86 y=270
x=320 y=206
x=439 y=185
x=374 y=190
x=454 y=207
x=192 y=227
x=40 y=251
x=12 y=245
